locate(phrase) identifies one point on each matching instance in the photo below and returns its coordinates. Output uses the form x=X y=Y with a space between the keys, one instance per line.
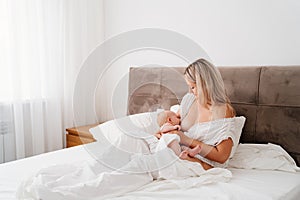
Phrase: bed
x=269 y=98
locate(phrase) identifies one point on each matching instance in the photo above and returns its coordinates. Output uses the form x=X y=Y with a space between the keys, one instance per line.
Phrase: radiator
x=19 y=136
x=7 y=136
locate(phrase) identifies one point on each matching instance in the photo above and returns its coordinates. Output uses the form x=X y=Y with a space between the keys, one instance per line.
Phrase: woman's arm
x=219 y=153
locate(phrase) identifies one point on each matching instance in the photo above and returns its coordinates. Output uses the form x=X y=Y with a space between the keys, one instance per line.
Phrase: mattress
x=245 y=184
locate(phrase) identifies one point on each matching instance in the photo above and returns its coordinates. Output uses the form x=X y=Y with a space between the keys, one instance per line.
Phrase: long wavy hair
x=209 y=83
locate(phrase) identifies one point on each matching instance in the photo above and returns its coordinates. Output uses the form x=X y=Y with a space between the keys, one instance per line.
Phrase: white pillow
x=264 y=157
x=239 y=123
x=127 y=133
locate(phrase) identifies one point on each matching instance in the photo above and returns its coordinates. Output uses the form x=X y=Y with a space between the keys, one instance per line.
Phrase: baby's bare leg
x=174 y=145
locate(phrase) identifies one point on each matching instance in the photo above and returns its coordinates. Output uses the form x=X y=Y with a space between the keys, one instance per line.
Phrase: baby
x=169 y=122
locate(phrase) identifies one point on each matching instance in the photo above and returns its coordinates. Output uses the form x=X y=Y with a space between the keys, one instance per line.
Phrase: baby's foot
x=194 y=151
x=184 y=155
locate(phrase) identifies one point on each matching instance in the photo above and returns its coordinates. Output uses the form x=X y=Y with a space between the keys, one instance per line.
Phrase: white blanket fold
x=79 y=181
x=130 y=171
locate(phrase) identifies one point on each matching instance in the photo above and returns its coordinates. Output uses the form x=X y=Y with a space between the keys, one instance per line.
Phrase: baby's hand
x=177 y=127
x=158 y=135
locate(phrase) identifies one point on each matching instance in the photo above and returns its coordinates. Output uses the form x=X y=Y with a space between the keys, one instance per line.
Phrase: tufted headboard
x=269 y=98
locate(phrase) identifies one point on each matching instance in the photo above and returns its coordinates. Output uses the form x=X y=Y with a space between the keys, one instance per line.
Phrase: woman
x=206 y=102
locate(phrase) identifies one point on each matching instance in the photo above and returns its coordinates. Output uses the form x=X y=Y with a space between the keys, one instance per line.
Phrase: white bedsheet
x=12 y=173
x=245 y=184
x=88 y=180
x=131 y=170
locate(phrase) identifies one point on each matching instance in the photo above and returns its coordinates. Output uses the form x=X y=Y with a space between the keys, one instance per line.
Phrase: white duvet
x=85 y=181
x=130 y=169
x=122 y=164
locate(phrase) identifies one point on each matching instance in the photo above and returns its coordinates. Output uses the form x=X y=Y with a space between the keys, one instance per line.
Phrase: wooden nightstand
x=79 y=135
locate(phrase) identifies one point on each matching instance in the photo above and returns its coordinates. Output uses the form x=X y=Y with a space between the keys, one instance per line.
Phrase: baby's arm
x=168 y=127
x=177 y=127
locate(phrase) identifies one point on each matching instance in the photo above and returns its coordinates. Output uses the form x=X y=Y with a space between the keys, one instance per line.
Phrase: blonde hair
x=209 y=83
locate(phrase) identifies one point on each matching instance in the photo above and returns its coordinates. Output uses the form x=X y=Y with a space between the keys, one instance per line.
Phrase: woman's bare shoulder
x=222 y=111
x=230 y=112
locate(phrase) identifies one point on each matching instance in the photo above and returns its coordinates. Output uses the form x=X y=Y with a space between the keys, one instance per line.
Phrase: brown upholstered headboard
x=269 y=98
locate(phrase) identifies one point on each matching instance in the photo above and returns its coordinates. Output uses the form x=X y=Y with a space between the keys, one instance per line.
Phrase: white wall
x=232 y=32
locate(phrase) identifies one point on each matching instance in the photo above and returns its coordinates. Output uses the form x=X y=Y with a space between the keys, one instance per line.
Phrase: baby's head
x=167 y=116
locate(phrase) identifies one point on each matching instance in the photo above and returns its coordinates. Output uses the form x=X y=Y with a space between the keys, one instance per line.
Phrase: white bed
x=257 y=171
x=245 y=184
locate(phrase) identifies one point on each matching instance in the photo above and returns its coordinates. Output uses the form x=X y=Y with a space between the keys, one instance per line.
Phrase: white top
x=185 y=104
x=212 y=132
x=188 y=111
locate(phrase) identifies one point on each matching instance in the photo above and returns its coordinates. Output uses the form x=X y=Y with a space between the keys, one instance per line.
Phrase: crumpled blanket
x=80 y=181
x=124 y=171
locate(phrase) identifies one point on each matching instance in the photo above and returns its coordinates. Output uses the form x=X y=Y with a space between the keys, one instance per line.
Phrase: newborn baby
x=168 y=122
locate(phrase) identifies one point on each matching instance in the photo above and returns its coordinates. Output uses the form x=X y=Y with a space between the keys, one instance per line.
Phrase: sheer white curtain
x=43 y=44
